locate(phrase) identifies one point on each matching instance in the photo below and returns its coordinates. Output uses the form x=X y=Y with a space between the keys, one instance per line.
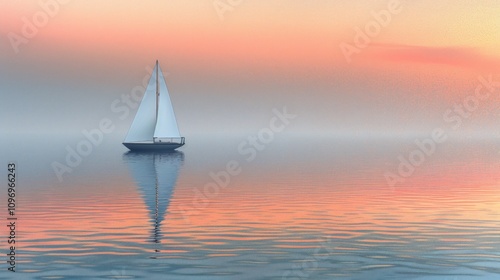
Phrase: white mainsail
x=150 y=123
x=166 y=124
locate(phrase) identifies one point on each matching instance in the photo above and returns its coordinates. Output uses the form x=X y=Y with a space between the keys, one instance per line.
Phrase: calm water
x=304 y=208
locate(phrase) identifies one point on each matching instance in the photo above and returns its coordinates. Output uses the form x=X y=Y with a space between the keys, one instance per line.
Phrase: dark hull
x=152 y=146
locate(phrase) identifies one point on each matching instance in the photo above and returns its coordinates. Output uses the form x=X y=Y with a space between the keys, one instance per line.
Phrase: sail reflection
x=155 y=174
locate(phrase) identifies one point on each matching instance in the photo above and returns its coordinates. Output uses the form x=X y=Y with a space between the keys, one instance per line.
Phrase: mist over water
x=354 y=186
x=310 y=207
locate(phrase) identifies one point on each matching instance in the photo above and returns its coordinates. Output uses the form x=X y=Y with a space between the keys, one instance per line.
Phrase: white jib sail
x=143 y=126
x=166 y=124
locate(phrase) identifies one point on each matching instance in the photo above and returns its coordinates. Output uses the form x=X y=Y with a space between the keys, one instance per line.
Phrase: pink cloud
x=452 y=56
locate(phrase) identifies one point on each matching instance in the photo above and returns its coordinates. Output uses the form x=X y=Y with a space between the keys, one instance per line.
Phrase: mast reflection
x=155 y=174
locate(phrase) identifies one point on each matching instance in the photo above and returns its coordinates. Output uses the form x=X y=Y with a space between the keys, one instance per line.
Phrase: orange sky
x=291 y=48
x=291 y=34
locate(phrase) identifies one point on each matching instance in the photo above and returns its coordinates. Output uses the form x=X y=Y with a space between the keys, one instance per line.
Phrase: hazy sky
x=227 y=66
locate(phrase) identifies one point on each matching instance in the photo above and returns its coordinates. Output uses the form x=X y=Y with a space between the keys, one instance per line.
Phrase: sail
x=166 y=124
x=143 y=126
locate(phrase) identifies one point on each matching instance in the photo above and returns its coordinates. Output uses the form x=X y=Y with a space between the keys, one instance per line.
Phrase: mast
x=157 y=91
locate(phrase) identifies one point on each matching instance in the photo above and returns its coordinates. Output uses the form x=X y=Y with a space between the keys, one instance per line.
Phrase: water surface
x=304 y=208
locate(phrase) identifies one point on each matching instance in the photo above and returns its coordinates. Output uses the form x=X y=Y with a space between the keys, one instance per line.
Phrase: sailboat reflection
x=155 y=174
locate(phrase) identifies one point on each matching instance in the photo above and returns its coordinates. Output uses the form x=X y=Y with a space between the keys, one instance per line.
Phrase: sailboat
x=154 y=127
